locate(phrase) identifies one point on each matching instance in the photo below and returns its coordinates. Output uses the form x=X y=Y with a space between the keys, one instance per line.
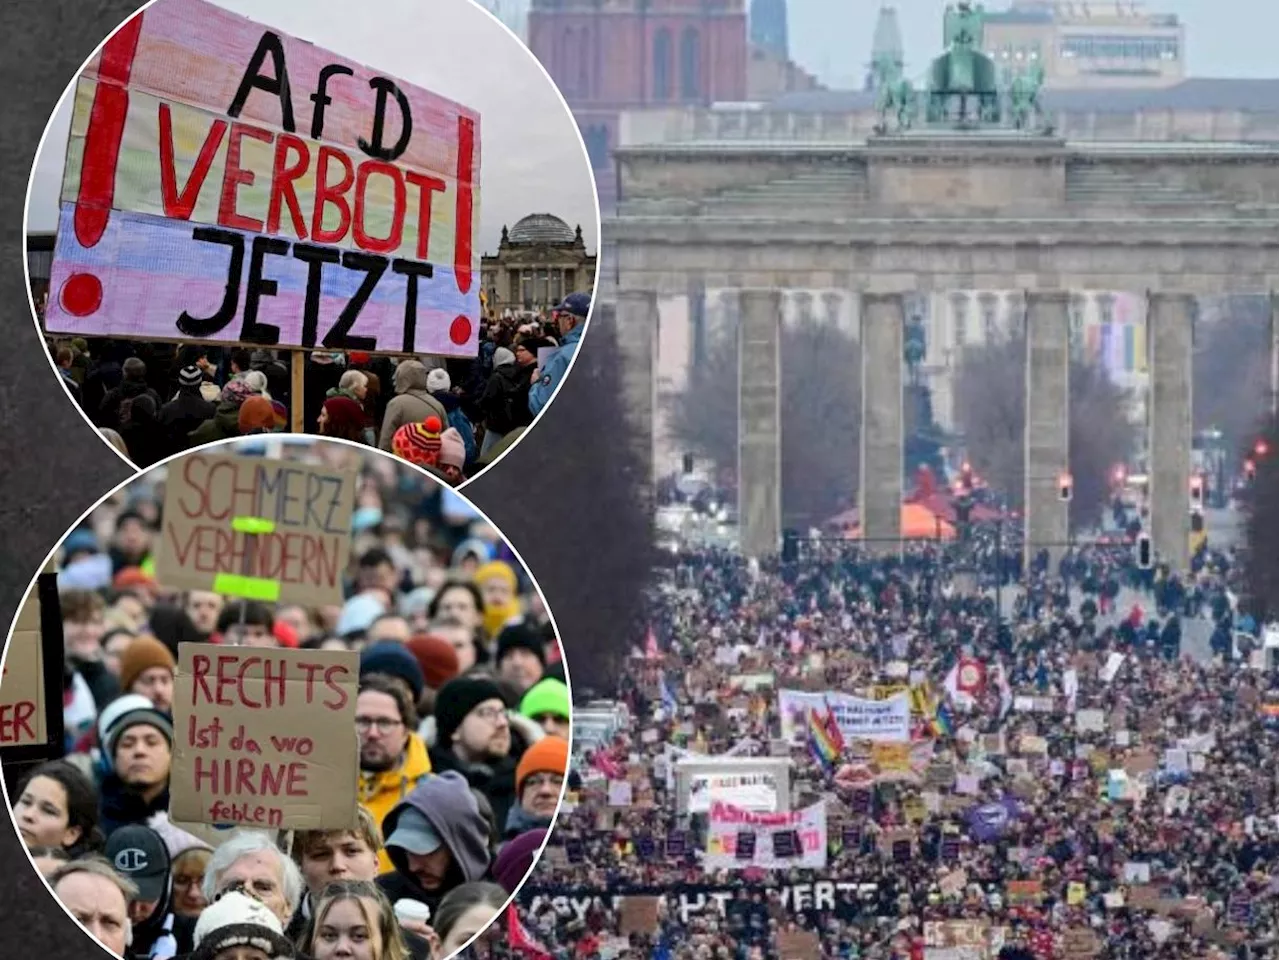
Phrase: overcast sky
x=832 y=38
x=533 y=160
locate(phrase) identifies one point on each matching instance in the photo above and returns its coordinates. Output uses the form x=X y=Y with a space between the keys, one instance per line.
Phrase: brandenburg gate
x=968 y=199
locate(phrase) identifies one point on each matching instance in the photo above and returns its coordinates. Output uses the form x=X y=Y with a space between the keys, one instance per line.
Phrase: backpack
x=458 y=420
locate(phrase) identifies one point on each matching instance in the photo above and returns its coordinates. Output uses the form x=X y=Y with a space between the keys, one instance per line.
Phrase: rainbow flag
x=942 y=724
x=825 y=742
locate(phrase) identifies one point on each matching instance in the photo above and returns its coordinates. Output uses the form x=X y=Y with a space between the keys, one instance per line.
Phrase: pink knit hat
x=453 y=451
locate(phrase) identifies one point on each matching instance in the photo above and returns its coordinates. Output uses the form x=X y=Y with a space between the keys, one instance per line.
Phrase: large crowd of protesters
x=1089 y=786
x=451 y=416
x=462 y=715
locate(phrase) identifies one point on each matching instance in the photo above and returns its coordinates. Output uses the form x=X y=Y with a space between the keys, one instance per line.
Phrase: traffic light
x=790 y=546
x=1250 y=469
x=1144 y=551
x=1064 y=487
x=1260 y=449
x=1197 y=492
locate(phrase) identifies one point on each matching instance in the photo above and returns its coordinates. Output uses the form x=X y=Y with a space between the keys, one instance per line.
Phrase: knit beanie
x=418 y=443
x=393 y=659
x=436 y=658
x=141 y=655
x=281 y=416
x=256 y=413
x=345 y=415
x=456 y=699
x=519 y=637
x=237 y=392
x=546 y=696
x=438 y=381
x=190 y=376
x=453 y=449
x=548 y=755
x=502 y=356
x=139 y=716
x=515 y=859
x=237 y=919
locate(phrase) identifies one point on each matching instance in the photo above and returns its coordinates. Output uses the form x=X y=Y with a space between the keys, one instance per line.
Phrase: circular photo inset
x=285 y=693
x=263 y=216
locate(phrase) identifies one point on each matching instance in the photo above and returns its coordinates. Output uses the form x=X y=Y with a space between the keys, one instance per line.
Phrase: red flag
x=971 y=676
x=520 y=940
x=608 y=766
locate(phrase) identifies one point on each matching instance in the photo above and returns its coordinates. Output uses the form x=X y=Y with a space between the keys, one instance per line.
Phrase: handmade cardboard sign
x=265 y=737
x=30 y=717
x=272 y=530
x=639 y=915
x=227 y=182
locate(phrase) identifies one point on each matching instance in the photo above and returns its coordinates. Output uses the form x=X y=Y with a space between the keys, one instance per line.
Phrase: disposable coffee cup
x=412 y=910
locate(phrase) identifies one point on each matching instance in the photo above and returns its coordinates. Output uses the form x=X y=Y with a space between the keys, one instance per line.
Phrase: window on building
x=584 y=64
x=960 y=320
x=690 y=63
x=662 y=64
x=988 y=306
x=567 y=45
x=597 y=140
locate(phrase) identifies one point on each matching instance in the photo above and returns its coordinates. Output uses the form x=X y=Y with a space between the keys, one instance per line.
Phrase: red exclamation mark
x=81 y=295
x=460 y=329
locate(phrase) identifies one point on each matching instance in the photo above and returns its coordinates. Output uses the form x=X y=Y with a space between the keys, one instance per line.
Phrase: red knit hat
x=418 y=442
x=345 y=416
x=436 y=657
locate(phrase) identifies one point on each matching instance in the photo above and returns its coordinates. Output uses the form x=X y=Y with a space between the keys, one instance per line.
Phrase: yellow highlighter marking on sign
x=248 y=588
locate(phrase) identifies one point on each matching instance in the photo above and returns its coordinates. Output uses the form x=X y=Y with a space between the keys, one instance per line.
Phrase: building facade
x=608 y=56
x=1089 y=43
x=539 y=262
x=513 y=13
x=769 y=28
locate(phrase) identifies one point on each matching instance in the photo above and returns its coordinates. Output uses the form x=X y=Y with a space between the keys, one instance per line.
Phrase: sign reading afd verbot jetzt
x=227 y=182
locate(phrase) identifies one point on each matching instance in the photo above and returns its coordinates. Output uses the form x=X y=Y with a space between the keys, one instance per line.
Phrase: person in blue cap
x=571 y=318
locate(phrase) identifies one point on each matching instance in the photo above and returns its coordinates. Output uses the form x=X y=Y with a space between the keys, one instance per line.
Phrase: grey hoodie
x=451 y=809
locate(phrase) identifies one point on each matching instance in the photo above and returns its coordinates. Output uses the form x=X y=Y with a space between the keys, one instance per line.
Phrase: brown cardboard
x=1024 y=891
x=799 y=945
x=22 y=695
x=639 y=915
x=1081 y=942
x=305 y=554
x=278 y=724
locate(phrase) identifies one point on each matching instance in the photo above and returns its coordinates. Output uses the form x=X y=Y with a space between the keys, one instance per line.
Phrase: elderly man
x=571 y=319
x=251 y=862
x=98 y=898
x=539 y=779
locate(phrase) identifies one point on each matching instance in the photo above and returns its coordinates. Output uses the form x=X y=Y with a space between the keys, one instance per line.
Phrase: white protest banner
x=857 y=718
x=1112 y=667
x=619 y=793
x=780 y=841
x=751 y=791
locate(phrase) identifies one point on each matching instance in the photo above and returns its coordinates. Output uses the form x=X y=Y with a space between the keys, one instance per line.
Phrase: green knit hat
x=546 y=696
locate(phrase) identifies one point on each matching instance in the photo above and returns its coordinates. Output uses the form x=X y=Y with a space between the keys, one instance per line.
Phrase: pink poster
x=229 y=183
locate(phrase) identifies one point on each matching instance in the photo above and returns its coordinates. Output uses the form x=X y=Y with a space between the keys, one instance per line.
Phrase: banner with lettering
x=228 y=182
x=738 y=838
x=858 y=718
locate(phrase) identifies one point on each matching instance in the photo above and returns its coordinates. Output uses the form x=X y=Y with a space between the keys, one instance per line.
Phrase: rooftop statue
x=1024 y=97
x=962 y=82
x=895 y=96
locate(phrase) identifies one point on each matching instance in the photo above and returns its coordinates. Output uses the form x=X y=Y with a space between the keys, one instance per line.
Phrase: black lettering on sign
x=315 y=258
x=373 y=147
x=257 y=287
x=745 y=849
x=373 y=267
x=412 y=270
x=321 y=97
x=200 y=328
x=254 y=79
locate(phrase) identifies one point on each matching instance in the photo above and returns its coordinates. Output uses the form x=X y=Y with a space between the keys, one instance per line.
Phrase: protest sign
x=1081 y=942
x=858 y=718
x=31 y=727
x=1023 y=891
x=240 y=185
x=1091 y=720
x=799 y=945
x=265 y=737
x=639 y=915
x=797 y=838
x=755 y=783
x=956 y=933
x=619 y=793
x=272 y=530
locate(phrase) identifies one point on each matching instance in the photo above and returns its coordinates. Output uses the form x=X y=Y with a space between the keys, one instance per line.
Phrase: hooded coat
x=449 y=806
x=225 y=423
x=413 y=403
x=109 y=412
x=381 y=792
x=505 y=402
x=182 y=415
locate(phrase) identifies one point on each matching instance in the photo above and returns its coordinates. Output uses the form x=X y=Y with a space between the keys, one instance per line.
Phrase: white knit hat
x=438 y=380
x=237 y=919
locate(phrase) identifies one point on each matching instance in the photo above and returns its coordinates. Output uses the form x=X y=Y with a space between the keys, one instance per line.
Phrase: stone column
x=1170 y=342
x=637 y=332
x=880 y=458
x=1048 y=424
x=759 y=422
x=697 y=326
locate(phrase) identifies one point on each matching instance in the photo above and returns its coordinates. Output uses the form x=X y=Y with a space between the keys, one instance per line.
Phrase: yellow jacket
x=381 y=792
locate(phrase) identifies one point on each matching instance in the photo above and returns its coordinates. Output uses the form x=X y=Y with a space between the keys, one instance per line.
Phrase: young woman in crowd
x=353 y=920
x=58 y=807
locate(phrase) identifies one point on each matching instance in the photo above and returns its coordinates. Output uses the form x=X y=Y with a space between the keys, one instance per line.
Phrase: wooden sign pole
x=298 y=372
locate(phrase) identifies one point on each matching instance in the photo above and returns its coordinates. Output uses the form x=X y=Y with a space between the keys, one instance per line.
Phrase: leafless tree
x=1230 y=369
x=1262 y=515
x=572 y=499
x=990 y=410
x=821 y=409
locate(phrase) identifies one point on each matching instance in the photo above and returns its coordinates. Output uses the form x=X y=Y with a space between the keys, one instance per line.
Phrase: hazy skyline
x=832 y=38
x=532 y=157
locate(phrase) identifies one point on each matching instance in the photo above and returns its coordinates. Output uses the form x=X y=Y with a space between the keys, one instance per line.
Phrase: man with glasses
x=474 y=737
x=539 y=777
x=393 y=757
